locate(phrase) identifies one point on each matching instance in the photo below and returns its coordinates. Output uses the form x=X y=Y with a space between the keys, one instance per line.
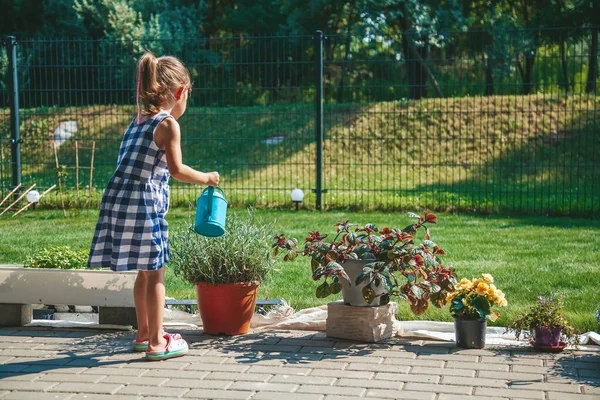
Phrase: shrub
x=242 y=254
x=61 y=257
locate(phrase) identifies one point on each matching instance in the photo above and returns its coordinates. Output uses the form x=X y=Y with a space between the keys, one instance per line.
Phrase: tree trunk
x=424 y=69
x=421 y=55
x=528 y=73
x=564 y=81
x=413 y=73
x=410 y=66
x=340 y=89
x=489 y=76
x=416 y=70
x=590 y=86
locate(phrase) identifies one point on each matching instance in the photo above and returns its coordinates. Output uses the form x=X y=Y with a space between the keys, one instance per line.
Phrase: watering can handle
x=211 y=192
x=213 y=188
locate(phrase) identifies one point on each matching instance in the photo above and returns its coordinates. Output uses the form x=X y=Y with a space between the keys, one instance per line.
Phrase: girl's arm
x=168 y=138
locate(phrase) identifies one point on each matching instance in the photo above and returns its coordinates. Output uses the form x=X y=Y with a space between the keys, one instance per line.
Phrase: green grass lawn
x=527 y=256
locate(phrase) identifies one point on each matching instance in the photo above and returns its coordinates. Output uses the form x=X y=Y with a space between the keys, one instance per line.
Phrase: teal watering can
x=211 y=212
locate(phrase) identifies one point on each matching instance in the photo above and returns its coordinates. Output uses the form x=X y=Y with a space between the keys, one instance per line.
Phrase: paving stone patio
x=42 y=363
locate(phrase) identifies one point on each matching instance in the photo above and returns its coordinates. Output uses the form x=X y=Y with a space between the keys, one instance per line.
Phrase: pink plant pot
x=545 y=336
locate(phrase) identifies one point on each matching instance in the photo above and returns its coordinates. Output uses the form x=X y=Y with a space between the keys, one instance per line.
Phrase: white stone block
x=66 y=286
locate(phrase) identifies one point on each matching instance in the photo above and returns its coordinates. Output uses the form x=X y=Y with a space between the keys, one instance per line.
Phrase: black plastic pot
x=470 y=333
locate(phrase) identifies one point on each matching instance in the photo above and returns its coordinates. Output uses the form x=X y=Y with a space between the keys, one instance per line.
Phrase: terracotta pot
x=545 y=336
x=352 y=295
x=470 y=333
x=226 y=308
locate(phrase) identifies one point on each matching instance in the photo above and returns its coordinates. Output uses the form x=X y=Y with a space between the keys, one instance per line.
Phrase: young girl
x=132 y=232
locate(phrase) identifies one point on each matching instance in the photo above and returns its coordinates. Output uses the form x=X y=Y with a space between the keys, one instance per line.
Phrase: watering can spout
x=211 y=212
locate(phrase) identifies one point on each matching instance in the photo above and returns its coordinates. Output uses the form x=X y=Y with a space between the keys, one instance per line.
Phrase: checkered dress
x=131 y=232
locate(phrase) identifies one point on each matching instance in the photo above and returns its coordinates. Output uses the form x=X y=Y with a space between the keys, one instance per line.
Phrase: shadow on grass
x=548 y=173
x=521 y=221
x=234 y=140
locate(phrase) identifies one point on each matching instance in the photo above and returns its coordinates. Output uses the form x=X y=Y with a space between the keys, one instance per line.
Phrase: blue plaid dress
x=131 y=232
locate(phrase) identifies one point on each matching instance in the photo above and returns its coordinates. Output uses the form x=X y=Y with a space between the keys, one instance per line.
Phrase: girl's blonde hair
x=158 y=79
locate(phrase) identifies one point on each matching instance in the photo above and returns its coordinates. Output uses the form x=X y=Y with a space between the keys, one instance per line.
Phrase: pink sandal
x=176 y=347
x=140 y=346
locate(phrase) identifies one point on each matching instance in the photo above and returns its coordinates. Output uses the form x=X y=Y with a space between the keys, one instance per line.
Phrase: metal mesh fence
x=5 y=161
x=472 y=140
x=489 y=122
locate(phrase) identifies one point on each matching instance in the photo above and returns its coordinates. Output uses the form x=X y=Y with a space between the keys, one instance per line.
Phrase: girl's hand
x=213 y=178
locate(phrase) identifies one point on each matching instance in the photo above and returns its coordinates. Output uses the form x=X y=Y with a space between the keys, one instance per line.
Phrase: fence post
x=15 y=126
x=318 y=37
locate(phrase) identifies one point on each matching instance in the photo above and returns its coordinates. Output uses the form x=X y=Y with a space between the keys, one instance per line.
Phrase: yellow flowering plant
x=474 y=299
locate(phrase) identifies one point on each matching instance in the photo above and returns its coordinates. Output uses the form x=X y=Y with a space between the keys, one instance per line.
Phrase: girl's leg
x=139 y=297
x=155 y=304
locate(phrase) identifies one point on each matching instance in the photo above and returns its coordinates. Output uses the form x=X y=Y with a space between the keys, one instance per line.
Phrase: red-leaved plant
x=410 y=271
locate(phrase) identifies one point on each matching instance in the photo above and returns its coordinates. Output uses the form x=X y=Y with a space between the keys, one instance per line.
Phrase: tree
x=592 y=76
x=29 y=18
x=421 y=24
x=560 y=13
x=530 y=14
x=140 y=24
x=252 y=17
x=495 y=25
x=587 y=13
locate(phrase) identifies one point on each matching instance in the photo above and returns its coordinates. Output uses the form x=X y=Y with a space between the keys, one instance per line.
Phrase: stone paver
x=26 y=386
x=152 y=391
x=36 y=396
x=404 y=394
x=315 y=380
x=565 y=396
x=218 y=394
x=100 y=388
x=386 y=376
x=84 y=396
x=96 y=365
x=483 y=382
x=19 y=377
x=286 y=396
x=445 y=396
x=129 y=380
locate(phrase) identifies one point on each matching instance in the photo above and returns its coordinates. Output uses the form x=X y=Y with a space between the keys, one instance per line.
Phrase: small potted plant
x=226 y=270
x=471 y=306
x=369 y=265
x=545 y=324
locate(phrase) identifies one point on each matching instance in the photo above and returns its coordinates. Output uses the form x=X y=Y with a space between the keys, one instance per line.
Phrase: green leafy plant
x=410 y=271
x=242 y=254
x=547 y=312
x=474 y=299
x=62 y=257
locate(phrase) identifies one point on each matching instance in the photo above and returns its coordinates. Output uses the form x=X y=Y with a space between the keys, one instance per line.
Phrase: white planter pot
x=352 y=295
x=66 y=286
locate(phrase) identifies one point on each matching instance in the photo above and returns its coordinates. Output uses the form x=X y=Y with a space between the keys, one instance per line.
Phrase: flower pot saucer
x=551 y=349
